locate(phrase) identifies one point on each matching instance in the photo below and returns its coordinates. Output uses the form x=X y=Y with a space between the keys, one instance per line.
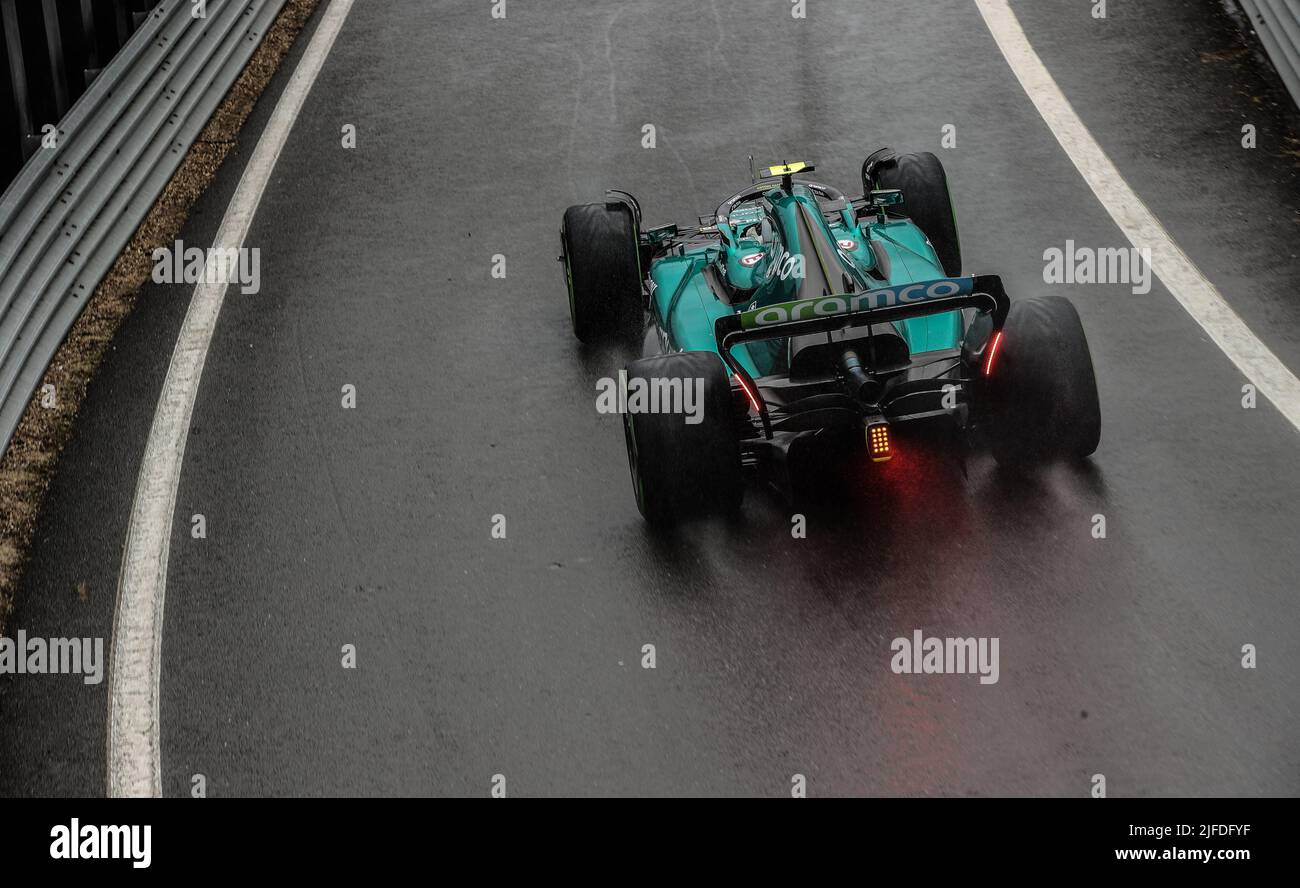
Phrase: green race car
x=796 y=317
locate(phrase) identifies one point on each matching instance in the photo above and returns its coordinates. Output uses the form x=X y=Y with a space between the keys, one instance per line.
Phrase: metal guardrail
x=73 y=207
x=52 y=51
x=1277 y=22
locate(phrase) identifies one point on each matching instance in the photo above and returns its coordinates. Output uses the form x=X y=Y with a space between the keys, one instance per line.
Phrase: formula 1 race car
x=796 y=316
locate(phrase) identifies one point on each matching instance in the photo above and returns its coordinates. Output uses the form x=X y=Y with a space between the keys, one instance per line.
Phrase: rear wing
x=824 y=314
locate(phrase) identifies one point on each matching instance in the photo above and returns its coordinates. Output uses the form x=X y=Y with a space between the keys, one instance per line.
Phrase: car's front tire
x=927 y=202
x=1041 y=391
x=599 y=242
x=679 y=468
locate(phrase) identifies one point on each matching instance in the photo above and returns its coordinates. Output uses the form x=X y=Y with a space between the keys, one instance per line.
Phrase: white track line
x=1180 y=275
x=134 y=756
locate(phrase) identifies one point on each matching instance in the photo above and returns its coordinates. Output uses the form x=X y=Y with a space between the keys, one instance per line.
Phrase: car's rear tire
x=602 y=269
x=682 y=469
x=926 y=201
x=1042 y=392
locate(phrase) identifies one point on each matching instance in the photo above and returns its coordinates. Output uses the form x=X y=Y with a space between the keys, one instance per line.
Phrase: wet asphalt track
x=522 y=657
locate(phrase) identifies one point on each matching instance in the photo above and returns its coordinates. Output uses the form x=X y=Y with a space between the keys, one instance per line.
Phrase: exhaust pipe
x=857 y=382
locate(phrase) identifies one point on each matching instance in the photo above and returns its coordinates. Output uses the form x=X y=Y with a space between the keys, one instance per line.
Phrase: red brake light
x=993 y=353
x=753 y=401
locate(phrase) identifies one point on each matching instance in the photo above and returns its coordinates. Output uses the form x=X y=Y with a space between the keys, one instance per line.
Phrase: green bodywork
x=686 y=307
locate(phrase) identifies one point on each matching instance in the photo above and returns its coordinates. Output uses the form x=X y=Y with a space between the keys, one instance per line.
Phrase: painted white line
x=134 y=755
x=1175 y=269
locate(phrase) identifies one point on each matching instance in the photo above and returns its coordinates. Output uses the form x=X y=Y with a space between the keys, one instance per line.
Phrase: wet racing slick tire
x=1041 y=388
x=683 y=468
x=599 y=244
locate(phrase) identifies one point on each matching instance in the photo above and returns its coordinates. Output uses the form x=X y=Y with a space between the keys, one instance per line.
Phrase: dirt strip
x=32 y=458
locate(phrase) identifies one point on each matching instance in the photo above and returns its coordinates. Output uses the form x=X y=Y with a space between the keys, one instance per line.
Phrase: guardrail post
x=54 y=44
x=91 y=38
x=17 y=71
x=123 y=25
